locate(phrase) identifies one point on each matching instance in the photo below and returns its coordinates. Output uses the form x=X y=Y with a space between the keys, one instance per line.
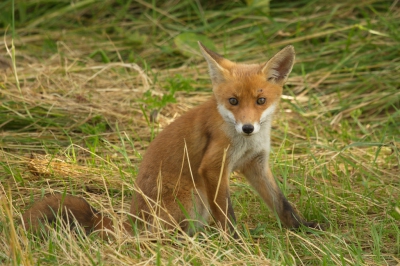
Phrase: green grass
x=91 y=77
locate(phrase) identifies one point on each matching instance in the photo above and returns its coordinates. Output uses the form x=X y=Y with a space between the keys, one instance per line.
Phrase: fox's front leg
x=217 y=187
x=220 y=201
x=260 y=177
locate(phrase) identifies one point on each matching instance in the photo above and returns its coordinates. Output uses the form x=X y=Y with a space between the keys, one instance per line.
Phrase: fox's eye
x=261 y=101
x=233 y=101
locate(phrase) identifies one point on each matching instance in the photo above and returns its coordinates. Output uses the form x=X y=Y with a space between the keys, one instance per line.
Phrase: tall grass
x=92 y=83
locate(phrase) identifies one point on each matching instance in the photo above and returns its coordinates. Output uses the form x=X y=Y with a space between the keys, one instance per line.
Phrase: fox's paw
x=315 y=225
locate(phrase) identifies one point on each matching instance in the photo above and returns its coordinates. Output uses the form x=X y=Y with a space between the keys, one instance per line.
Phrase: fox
x=183 y=180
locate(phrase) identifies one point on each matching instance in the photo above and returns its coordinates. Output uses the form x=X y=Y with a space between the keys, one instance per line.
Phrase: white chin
x=245 y=134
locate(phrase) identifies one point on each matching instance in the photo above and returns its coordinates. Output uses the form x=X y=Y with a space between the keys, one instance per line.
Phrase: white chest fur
x=244 y=148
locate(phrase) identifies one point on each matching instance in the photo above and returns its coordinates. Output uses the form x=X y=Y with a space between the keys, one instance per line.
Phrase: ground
x=85 y=88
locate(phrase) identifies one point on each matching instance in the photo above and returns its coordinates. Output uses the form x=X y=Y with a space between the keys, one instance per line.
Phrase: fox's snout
x=248 y=128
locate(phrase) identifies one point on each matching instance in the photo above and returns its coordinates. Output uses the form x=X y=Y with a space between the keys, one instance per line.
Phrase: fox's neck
x=243 y=148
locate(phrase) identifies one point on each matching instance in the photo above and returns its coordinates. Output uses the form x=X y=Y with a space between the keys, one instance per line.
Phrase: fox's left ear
x=278 y=68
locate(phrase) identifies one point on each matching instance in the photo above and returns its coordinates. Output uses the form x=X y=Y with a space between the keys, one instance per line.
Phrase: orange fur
x=183 y=176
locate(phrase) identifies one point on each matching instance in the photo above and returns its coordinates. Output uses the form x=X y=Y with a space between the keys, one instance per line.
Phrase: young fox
x=184 y=176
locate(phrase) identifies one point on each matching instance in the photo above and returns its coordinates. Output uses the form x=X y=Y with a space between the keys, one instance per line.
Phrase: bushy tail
x=67 y=207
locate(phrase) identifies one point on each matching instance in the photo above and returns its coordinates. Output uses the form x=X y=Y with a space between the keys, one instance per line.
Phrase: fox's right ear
x=215 y=64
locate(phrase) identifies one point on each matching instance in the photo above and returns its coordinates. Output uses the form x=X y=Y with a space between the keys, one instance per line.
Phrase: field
x=86 y=85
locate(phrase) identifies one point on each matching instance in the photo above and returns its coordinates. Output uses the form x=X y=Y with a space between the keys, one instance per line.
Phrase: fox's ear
x=278 y=68
x=216 y=64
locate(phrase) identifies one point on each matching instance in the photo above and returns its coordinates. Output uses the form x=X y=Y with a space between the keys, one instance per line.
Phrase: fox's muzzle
x=248 y=128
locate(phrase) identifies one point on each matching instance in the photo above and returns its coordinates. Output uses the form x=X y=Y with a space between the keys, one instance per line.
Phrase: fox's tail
x=69 y=209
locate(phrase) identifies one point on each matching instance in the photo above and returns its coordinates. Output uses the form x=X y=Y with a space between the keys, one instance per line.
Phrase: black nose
x=247 y=128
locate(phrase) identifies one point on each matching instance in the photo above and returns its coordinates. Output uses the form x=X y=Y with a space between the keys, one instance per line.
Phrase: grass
x=76 y=116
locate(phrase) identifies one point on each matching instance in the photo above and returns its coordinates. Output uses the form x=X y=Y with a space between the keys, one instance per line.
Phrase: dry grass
x=77 y=118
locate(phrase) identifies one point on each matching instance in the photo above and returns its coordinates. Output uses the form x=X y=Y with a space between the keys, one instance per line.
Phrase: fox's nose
x=248 y=128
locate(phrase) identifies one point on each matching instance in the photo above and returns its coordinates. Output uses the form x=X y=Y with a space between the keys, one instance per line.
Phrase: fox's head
x=247 y=94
